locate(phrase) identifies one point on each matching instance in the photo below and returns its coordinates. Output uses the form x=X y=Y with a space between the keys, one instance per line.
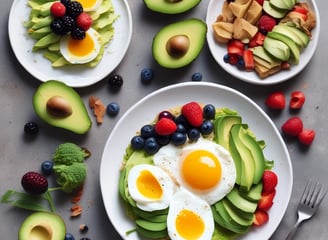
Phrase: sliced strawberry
x=233 y=59
x=276 y=100
x=260 y=217
x=248 y=60
x=300 y=9
x=165 y=127
x=266 y=200
x=297 y=99
x=260 y=2
x=235 y=46
x=193 y=112
x=266 y=23
x=257 y=40
x=269 y=181
x=306 y=137
x=293 y=126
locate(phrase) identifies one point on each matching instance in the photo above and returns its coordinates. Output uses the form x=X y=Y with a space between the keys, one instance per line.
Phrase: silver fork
x=308 y=205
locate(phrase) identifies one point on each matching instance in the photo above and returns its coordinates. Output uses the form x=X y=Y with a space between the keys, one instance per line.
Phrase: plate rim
x=287 y=192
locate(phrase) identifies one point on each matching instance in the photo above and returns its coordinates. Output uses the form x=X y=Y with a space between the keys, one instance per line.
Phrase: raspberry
x=266 y=24
x=276 y=100
x=293 y=126
x=165 y=126
x=193 y=112
x=34 y=183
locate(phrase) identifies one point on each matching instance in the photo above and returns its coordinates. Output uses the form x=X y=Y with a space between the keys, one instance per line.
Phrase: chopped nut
x=99 y=109
x=76 y=210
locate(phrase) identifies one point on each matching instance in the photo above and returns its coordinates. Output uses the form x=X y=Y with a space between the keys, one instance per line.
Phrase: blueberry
x=193 y=134
x=69 y=236
x=209 y=111
x=112 y=109
x=31 y=128
x=137 y=142
x=241 y=64
x=147 y=131
x=179 y=138
x=180 y=128
x=147 y=75
x=182 y=120
x=226 y=58
x=196 y=77
x=163 y=140
x=46 y=167
x=115 y=82
x=206 y=127
x=151 y=145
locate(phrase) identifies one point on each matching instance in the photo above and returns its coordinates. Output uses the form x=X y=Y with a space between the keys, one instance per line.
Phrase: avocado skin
x=196 y=31
x=171 y=7
x=78 y=122
x=44 y=221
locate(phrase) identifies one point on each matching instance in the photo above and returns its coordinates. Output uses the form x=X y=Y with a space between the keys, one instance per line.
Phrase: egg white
x=145 y=202
x=170 y=158
x=75 y=59
x=182 y=200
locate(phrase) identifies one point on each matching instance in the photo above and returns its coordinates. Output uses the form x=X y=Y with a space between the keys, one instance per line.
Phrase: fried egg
x=81 y=51
x=189 y=217
x=203 y=167
x=90 y=5
x=150 y=187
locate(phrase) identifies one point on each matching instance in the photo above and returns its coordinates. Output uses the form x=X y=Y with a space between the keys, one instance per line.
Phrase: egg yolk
x=189 y=225
x=201 y=170
x=86 y=4
x=148 y=185
x=81 y=47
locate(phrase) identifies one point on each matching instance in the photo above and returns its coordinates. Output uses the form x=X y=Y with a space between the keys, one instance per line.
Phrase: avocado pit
x=59 y=107
x=178 y=45
x=41 y=232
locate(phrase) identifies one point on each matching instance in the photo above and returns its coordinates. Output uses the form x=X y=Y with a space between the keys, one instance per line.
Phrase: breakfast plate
x=144 y=112
x=219 y=50
x=74 y=76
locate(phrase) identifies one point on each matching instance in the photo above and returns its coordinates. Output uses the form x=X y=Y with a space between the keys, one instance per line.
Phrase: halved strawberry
x=165 y=127
x=235 y=46
x=297 y=99
x=306 y=137
x=269 y=181
x=257 y=40
x=266 y=201
x=248 y=60
x=193 y=112
x=260 y=217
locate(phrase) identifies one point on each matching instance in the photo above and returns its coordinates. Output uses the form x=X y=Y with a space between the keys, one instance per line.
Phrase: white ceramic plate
x=74 y=76
x=219 y=50
x=144 y=112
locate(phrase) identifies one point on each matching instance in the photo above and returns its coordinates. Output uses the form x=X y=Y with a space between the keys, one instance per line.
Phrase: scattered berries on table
x=306 y=136
x=297 y=99
x=276 y=101
x=112 y=109
x=115 y=82
x=58 y=9
x=31 y=128
x=146 y=75
x=34 y=183
x=193 y=112
x=46 y=167
x=196 y=77
x=269 y=181
x=69 y=236
x=84 y=21
x=84 y=228
x=293 y=126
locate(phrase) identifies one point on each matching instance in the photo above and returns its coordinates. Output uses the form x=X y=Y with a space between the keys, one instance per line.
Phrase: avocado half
x=42 y=225
x=191 y=30
x=171 y=6
x=61 y=106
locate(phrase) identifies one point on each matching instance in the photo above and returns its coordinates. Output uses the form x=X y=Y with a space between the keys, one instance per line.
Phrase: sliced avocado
x=282 y=4
x=261 y=56
x=282 y=29
x=272 y=11
x=61 y=106
x=154 y=216
x=254 y=194
x=149 y=234
x=171 y=6
x=178 y=44
x=240 y=202
x=276 y=48
x=151 y=226
x=236 y=217
x=42 y=225
x=301 y=35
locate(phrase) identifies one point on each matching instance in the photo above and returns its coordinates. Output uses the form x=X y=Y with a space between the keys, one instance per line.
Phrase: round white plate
x=144 y=112
x=74 y=76
x=219 y=50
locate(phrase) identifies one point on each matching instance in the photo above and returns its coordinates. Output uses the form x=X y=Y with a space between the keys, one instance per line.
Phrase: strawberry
x=300 y=11
x=297 y=99
x=34 y=183
x=276 y=100
x=248 y=60
x=266 y=24
x=257 y=40
x=58 y=9
x=266 y=201
x=165 y=127
x=260 y=217
x=84 y=21
x=293 y=126
x=193 y=112
x=235 y=46
x=306 y=137
x=269 y=181
x=260 y=2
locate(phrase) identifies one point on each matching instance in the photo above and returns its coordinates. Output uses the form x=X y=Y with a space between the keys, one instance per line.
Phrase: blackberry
x=78 y=33
x=115 y=82
x=31 y=128
x=69 y=23
x=74 y=8
x=57 y=26
x=65 y=2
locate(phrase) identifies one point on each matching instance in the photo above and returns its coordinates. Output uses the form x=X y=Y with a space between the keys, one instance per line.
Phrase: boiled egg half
x=90 y=5
x=81 y=51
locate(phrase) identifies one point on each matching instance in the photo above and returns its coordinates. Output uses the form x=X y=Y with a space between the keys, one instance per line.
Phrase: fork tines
x=313 y=194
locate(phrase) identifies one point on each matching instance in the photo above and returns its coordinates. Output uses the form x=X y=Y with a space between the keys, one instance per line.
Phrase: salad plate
x=218 y=50
x=145 y=110
x=74 y=76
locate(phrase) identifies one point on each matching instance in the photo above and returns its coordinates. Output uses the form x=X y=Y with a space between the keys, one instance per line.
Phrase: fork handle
x=293 y=231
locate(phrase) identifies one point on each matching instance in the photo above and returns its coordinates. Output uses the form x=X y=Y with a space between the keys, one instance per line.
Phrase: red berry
x=306 y=137
x=34 y=183
x=84 y=21
x=266 y=201
x=193 y=112
x=58 y=9
x=266 y=23
x=276 y=101
x=260 y=217
x=257 y=40
x=260 y=2
x=165 y=127
x=235 y=47
x=297 y=100
x=293 y=126
x=269 y=181
x=248 y=60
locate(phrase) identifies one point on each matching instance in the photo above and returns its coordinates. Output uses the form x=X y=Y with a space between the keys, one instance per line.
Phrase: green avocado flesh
x=194 y=29
x=78 y=121
x=42 y=226
x=171 y=6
